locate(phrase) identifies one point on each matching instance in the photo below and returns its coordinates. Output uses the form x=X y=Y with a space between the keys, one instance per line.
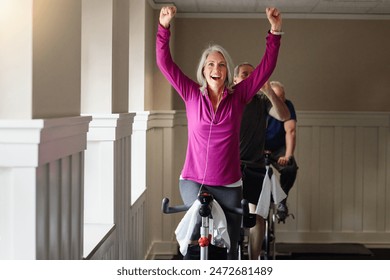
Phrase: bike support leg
x=204 y=239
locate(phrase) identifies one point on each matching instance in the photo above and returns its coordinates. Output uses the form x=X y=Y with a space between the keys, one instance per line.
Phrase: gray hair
x=237 y=68
x=229 y=64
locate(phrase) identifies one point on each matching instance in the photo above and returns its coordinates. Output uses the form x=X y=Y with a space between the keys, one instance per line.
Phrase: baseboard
x=162 y=250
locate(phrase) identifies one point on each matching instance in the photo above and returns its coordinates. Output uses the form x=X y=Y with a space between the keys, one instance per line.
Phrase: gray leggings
x=225 y=196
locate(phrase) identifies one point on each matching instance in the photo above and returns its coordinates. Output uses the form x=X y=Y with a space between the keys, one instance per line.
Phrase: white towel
x=187 y=224
x=270 y=187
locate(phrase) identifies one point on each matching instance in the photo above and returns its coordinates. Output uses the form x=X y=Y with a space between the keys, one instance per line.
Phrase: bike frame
x=205 y=199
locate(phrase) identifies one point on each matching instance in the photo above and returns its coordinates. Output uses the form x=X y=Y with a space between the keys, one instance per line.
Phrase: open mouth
x=215 y=77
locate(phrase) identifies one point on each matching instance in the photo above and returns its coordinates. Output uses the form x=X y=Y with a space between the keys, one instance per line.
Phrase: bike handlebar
x=244 y=210
x=166 y=209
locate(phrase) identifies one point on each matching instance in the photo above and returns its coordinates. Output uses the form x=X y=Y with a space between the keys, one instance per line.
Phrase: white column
x=16 y=59
x=100 y=176
x=138 y=160
x=19 y=142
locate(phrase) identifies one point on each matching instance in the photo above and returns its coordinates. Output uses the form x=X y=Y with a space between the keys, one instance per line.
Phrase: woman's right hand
x=166 y=15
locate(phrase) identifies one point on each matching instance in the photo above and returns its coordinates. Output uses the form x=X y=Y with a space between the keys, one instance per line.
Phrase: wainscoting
x=108 y=187
x=342 y=192
x=41 y=188
x=166 y=146
x=91 y=187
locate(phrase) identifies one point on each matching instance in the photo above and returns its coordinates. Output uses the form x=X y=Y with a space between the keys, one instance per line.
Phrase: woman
x=214 y=107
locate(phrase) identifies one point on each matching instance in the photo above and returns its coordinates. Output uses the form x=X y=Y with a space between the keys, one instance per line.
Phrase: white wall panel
x=340 y=192
x=43 y=188
x=108 y=187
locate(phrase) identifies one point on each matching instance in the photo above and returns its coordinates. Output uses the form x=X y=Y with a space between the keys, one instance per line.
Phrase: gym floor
x=331 y=251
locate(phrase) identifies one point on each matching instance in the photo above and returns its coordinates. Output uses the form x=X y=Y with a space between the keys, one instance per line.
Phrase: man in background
x=281 y=141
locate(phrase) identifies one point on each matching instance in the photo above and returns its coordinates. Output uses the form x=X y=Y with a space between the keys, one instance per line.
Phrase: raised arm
x=279 y=109
x=265 y=68
x=182 y=84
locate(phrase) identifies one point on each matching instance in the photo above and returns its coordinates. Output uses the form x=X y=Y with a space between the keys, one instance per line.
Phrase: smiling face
x=215 y=71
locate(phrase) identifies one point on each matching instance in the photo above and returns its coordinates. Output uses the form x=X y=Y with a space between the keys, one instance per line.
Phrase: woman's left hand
x=274 y=18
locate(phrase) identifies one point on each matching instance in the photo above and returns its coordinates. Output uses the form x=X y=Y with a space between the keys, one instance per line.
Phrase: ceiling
x=290 y=8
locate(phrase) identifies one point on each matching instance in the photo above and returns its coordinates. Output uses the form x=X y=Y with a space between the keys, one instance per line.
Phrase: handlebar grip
x=166 y=209
x=164 y=205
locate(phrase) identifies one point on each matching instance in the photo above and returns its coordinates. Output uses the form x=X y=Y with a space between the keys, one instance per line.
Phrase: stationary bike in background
x=287 y=175
x=269 y=241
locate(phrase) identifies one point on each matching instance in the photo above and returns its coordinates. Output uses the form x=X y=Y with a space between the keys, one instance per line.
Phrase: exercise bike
x=208 y=245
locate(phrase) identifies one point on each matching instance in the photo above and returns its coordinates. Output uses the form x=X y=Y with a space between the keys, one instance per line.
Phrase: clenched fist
x=274 y=18
x=166 y=15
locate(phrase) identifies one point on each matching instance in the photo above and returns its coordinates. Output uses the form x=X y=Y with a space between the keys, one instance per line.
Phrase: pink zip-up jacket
x=213 y=152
